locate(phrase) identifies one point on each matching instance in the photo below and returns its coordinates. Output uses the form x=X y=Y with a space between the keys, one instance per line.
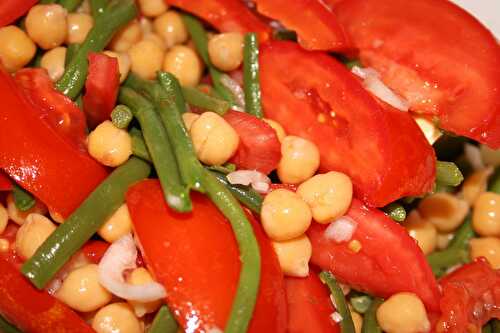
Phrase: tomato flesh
x=11 y=10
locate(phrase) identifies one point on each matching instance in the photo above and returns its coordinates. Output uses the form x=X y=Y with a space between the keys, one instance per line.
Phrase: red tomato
x=11 y=10
x=313 y=96
x=259 y=147
x=309 y=306
x=5 y=183
x=436 y=55
x=94 y=250
x=471 y=297
x=101 y=88
x=196 y=258
x=388 y=262
x=316 y=26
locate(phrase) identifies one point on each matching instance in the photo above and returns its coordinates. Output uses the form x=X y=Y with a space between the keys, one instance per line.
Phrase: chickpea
x=16 y=48
x=152 y=8
x=185 y=64
x=294 y=255
x=214 y=140
x=328 y=195
x=47 y=25
x=146 y=25
x=4 y=218
x=189 y=118
x=171 y=28
x=123 y=63
x=79 y=25
x=403 y=313
x=488 y=247
x=226 y=50
x=82 y=291
x=285 y=215
x=116 y=317
x=444 y=210
x=422 y=231
x=137 y=277
x=109 y=145
x=357 y=319
x=4 y=245
x=118 y=225
x=486 y=214
x=490 y=156
x=146 y=59
x=299 y=160
x=19 y=216
x=32 y=234
x=443 y=240
x=53 y=61
x=155 y=38
x=280 y=132
x=126 y=37
x=475 y=184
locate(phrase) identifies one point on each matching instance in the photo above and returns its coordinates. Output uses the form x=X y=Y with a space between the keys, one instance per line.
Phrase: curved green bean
x=346 y=324
x=197 y=98
x=70 y=53
x=251 y=79
x=245 y=194
x=22 y=199
x=447 y=173
x=164 y=322
x=70 y=5
x=395 y=211
x=370 y=324
x=97 y=7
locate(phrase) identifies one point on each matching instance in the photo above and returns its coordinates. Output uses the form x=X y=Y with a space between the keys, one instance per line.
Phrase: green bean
x=164 y=322
x=70 y=53
x=24 y=200
x=121 y=116
x=361 y=303
x=225 y=169
x=159 y=146
x=350 y=63
x=46 y=2
x=395 y=211
x=494 y=182
x=346 y=324
x=447 y=173
x=251 y=79
x=370 y=324
x=70 y=5
x=285 y=35
x=97 y=7
x=495 y=326
x=139 y=148
x=486 y=328
x=83 y=223
x=248 y=283
x=116 y=15
x=6 y=327
x=204 y=101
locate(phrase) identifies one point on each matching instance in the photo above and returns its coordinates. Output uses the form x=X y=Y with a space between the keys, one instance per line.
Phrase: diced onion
x=341 y=230
x=259 y=181
x=473 y=156
x=235 y=89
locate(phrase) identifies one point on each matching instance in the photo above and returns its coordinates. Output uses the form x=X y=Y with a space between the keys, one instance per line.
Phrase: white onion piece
x=341 y=230
x=473 y=156
x=372 y=83
x=259 y=181
x=121 y=256
x=235 y=89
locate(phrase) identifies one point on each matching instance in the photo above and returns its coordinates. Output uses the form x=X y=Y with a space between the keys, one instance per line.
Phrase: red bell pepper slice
x=94 y=250
x=32 y=310
x=101 y=88
x=196 y=258
x=5 y=183
x=40 y=159
x=316 y=25
x=388 y=262
x=11 y=10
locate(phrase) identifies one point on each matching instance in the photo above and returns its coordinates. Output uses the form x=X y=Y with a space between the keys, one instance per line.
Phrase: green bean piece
x=204 y=101
x=46 y=2
x=346 y=324
x=139 y=148
x=70 y=53
x=164 y=322
x=494 y=182
x=350 y=63
x=395 y=211
x=116 y=15
x=361 y=303
x=97 y=7
x=83 y=223
x=121 y=116
x=370 y=324
x=6 y=327
x=447 y=173
x=23 y=200
x=70 y=5
x=251 y=81
x=248 y=283
x=159 y=146
x=285 y=35
x=486 y=328
x=79 y=103
x=225 y=169
x=495 y=326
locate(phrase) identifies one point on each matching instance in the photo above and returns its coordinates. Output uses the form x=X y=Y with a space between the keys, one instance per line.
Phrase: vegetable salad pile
x=248 y=166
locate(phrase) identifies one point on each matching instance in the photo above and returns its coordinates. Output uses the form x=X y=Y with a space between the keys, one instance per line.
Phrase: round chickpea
x=171 y=28
x=137 y=277
x=422 y=231
x=403 y=313
x=123 y=63
x=185 y=64
x=109 y=145
x=146 y=25
x=4 y=218
x=226 y=50
x=486 y=214
x=475 y=184
x=79 y=26
x=280 y=131
x=118 y=225
x=53 y=61
x=294 y=255
x=357 y=319
x=16 y=48
x=19 y=216
x=47 y=25
x=116 y=317
x=488 y=247
x=155 y=38
x=126 y=37
x=32 y=234
x=299 y=160
x=152 y=8
x=146 y=58
x=444 y=210
x=189 y=118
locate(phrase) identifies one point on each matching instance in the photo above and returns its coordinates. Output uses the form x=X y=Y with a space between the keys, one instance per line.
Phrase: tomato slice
x=196 y=258
x=388 y=262
x=5 y=183
x=436 y=55
x=11 y=10
x=259 y=147
x=313 y=96
x=309 y=306
x=94 y=250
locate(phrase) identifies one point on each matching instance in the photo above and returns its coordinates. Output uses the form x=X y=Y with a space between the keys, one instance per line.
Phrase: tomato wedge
x=388 y=262
x=314 y=96
x=436 y=55
x=5 y=183
x=11 y=10
x=196 y=258
x=259 y=147
x=94 y=250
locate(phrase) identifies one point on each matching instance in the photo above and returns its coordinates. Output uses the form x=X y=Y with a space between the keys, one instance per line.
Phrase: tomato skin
x=259 y=147
x=389 y=261
x=94 y=250
x=195 y=256
x=451 y=73
x=5 y=183
x=11 y=10
x=363 y=139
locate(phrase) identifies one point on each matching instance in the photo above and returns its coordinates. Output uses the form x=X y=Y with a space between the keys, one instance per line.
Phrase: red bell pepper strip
x=32 y=310
x=94 y=250
x=101 y=88
x=40 y=159
x=5 y=183
x=196 y=258
x=11 y=10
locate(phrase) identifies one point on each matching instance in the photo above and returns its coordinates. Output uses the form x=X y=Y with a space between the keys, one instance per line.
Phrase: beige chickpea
x=422 y=231
x=152 y=8
x=328 y=195
x=137 y=277
x=16 y=48
x=118 y=225
x=123 y=63
x=4 y=218
x=53 y=61
x=284 y=215
x=79 y=25
x=486 y=214
x=32 y=234
x=294 y=255
x=171 y=28
x=146 y=59
x=444 y=210
x=428 y=127
x=19 y=216
x=214 y=140
x=475 y=184
x=4 y=245
x=116 y=317
x=146 y=25
x=280 y=131
x=82 y=291
x=109 y=144
x=155 y=38
x=299 y=160
x=443 y=240
x=189 y=118
x=357 y=319
x=403 y=313
x=126 y=37
x=47 y=25
x=185 y=64
x=490 y=156
x=226 y=50
x=488 y=247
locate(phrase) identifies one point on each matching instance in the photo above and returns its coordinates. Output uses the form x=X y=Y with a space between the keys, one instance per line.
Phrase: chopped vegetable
x=251 y=79
x=70 y=5
x=24 y=200
x=139 y=148
x=121 y=116
x=7 y=327
x=246 y=195
x=447 y=173
x=395 y=211
x=195 y=97
x=11 y=10
x=370 y=324
x=164 y=322
x=346 y=324
x=361 y=303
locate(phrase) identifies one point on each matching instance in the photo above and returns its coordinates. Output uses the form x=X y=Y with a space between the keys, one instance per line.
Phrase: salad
x=263 y=166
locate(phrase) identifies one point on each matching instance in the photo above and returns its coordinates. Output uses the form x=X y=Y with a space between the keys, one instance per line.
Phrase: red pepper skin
x=39 y=158
x=101 y=88
x=11 y=10
x=5 y=183
x=94 y=250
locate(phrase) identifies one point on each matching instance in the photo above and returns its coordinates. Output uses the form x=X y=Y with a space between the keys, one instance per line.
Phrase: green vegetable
x=225 y=169
x=6 y=327
x=495 y=326
x=395 y=211
x=139 y=148
x=24 y=200
x=98 y=7
x=361 y=303
x=116 y=15
x=251 y=79
x=83 y=223
x=121 y=116
x=285 y=35
x=370 y=324
x=447 y=173
x=70 y=5
x=350 y=63
x=346 y=324
x=197 y=98
x=164 y=322
x=486 y=328
x=46 y=2
x=245 y=194
x=70 y=53
x=494 y=183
